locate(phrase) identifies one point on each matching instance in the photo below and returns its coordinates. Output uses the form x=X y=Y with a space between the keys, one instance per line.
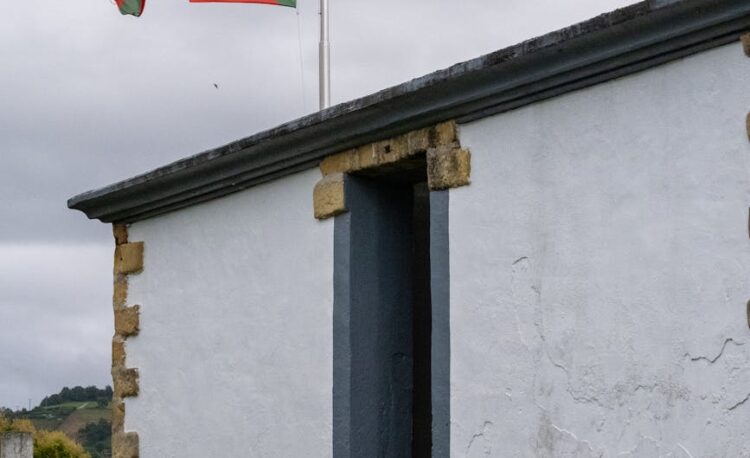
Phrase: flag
x=132 y=7
x=292 y=3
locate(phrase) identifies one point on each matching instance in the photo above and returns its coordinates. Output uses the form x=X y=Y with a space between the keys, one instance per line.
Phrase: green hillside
x=83 y=414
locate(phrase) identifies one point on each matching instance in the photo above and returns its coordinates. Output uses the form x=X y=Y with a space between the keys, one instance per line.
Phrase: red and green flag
x=132 y=7
x=291 y=3
x=135 y=7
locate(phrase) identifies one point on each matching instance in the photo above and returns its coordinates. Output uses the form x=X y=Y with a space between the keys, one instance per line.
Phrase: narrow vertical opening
x=421 y=324
x=383 y=361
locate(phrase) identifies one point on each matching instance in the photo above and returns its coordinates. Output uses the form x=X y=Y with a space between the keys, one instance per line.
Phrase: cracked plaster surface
x=599 y=272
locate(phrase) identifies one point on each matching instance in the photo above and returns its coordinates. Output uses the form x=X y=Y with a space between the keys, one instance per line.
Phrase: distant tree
x=92 y=393
x=78 y=394
x=53 y=400
x=97 y=438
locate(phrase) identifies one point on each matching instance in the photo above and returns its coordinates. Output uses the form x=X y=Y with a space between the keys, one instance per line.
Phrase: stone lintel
x=448 y=165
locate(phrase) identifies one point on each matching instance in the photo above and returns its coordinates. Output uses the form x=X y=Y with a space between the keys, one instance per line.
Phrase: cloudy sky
x=89 y=97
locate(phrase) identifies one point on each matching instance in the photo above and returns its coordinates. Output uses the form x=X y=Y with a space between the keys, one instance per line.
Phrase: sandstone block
x=125 y=382
x=125 y=445
x=328 y=196
x=129 y=258
x=127 y=321
x=448 y=168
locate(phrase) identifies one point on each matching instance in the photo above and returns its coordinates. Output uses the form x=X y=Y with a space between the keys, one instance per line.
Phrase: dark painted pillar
x=373 y=354
x=441 y=343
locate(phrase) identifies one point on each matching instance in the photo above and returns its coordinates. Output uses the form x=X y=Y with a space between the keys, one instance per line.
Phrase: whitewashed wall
x=600 y=267
x=236 y=335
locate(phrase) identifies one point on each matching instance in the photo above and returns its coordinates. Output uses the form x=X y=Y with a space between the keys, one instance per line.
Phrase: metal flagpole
x=325 y=58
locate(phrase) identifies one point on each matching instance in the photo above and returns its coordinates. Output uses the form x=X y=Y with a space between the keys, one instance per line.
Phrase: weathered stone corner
x=448 y=168
x=328 y=196
x=125 y=382
x=128 y=260
x=125 y=445
x=127 y=321
x=448 y=165
x=118 y=351
x=118 y=416
x=120 y=231
x=120 y=293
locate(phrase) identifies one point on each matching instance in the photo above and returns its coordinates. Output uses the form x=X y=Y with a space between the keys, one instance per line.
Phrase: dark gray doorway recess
x=391 y=368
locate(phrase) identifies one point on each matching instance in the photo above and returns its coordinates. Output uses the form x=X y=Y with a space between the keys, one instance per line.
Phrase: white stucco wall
x=235 y=349
x=16 y=445
x=600 y=269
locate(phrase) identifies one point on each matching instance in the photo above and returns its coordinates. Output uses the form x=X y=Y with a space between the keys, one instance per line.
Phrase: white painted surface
x=16 y=445
x=235 y=349
x=600 y=267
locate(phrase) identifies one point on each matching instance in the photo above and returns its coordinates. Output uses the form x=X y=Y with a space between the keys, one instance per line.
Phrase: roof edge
x=608 y=46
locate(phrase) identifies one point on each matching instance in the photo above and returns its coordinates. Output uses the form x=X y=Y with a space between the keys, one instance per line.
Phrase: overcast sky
x=89 y=97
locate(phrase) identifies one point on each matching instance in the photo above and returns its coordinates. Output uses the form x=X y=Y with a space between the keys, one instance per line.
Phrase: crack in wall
x=481 y=434
x=717 y=357
x=742 y=402
x=528 y=305
x=580 y=399
x=520 y=279
x=576 y=439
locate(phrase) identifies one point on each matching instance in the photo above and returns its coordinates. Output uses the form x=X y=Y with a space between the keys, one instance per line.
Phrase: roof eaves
x=608 y=46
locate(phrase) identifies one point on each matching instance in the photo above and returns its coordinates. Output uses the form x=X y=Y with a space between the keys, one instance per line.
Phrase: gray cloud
x=89 y=97
x=55 y=318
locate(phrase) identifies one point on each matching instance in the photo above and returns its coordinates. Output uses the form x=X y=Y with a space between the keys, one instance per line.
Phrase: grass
x=71 y=405
x=67 y=416
x=81 y=417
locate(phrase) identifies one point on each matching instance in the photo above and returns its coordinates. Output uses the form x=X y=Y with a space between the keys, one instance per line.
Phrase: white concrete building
x=543 y=252
x=16 y=445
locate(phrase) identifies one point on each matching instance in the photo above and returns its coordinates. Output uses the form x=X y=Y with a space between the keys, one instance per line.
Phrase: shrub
x=8 y=425
x=47 y=444
x=54 y=444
